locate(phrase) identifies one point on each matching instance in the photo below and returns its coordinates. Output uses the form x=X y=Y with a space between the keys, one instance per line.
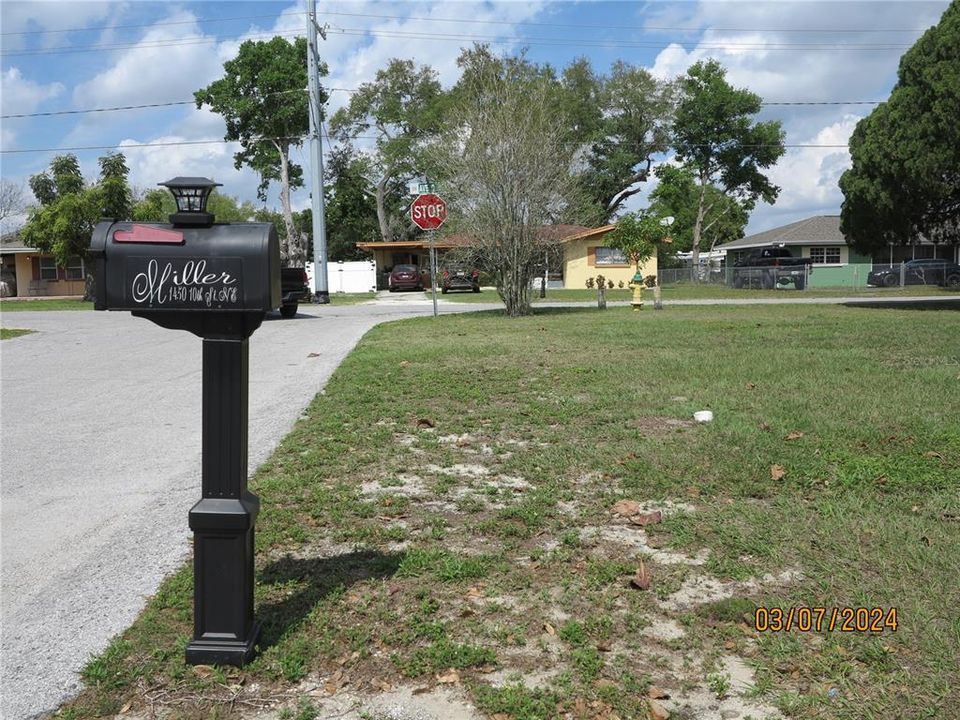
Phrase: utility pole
x=321 y=293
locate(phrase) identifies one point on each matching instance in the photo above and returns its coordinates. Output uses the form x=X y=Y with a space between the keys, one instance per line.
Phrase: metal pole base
x=224 y=652
x=321 y=297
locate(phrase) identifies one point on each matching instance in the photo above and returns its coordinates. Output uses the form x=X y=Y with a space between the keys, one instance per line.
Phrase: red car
x=405 y=277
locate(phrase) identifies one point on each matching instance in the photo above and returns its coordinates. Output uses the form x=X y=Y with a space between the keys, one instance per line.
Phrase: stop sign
x=428 y=211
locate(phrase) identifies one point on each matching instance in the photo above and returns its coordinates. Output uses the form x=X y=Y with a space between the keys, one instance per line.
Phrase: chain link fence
x=802 y=276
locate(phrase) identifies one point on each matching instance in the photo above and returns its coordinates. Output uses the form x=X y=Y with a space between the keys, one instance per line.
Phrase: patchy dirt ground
x=688 y=676
x=573 y=592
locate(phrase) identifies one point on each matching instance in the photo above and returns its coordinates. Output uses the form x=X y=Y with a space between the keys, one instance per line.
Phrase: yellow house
x=585 y=256
x=29 y=273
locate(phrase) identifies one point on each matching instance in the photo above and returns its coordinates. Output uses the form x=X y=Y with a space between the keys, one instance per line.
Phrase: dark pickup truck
x=294 y=289
x=769 y=267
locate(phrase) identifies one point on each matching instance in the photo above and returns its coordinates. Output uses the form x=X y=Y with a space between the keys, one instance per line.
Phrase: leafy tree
x=905 y=178
x=630 y=124
x=155 y=205
x=228 y=209
x=403 y=108
x=716 y=139
x=63 y=222
x=678 y=196
x=351 y=210
x=506 y=171
x=262 y=99
x=638 y=235
x=115 y=193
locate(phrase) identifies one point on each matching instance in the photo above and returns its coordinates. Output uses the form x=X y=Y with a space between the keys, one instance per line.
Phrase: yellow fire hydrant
x=637 y=285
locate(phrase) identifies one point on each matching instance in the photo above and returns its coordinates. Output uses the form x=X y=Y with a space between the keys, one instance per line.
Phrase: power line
x=128 y=107
x=641 y=28
x=349 y=90
x=66 y=49
x=826 y=102
x=150 y=25
x=301 y=138
x=580 y=42
x=96 y=110
x=493 y=39
x=143 y=145
x=527 y=23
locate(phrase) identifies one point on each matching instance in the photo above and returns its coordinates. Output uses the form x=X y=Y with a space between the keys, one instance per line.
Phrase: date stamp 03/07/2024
x=825 y=619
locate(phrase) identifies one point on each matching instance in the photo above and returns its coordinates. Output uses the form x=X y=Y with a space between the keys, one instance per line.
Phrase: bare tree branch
x=13 y=201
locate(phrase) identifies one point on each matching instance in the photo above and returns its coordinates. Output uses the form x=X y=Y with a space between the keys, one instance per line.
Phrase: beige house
x=29 y=273
x=585 y=256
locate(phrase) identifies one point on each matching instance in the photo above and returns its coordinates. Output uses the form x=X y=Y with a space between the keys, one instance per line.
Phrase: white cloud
x=808 y=176
x=30 y=17
x=164 y=160
x=150 y=73
x=20 y=95
x=759 y=59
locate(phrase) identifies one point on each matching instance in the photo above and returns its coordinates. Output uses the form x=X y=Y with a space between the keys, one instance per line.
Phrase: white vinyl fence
x=348 y=277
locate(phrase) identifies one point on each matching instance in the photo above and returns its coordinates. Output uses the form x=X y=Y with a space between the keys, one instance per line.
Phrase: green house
x=835 y=264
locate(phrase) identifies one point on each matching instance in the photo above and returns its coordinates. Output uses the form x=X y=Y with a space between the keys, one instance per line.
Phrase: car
x=294 y=289
x=926 y=271
x=457 y=276
x=405 y=277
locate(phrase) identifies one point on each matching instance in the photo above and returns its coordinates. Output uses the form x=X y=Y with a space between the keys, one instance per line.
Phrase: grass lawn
x=701 y=292
x=442 y=518
x=33 y=305
x=7 y=333
x=351 y=298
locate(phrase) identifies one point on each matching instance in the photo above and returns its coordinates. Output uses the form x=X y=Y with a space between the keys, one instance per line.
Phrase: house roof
x=444 y=243
x=12 y=244
x=817 y=230
x=557 y=233
x=585 y=233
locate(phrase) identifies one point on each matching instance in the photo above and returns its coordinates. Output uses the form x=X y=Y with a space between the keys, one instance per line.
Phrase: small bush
x=589 y=283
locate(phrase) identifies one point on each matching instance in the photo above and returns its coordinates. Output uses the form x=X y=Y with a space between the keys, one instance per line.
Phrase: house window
x=825 y=255
x=75 y=269
x=48 y=268
x=610 y=256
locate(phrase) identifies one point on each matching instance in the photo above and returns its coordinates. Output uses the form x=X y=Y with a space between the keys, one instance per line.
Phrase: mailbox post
x=218 y=282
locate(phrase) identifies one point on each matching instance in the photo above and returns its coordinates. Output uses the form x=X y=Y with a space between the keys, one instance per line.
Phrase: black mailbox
x=176 y=274
x=217 y=281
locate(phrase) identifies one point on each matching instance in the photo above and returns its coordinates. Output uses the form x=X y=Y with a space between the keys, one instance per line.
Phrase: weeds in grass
x=866 y=501
x=441 y=655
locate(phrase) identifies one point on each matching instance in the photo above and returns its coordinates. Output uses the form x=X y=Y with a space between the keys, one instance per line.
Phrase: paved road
x=101 y=461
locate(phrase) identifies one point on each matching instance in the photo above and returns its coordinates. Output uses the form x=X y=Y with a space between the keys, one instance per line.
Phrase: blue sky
x=134 y=53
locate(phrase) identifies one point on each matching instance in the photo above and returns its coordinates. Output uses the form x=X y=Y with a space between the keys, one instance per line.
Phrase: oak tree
x=402 y=107
x=716 y=138
x=263 y=100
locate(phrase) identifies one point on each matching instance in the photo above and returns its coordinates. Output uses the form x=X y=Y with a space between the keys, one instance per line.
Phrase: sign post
x=428 y=212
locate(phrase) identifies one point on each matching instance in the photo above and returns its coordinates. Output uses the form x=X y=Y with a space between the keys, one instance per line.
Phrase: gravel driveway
x=101 y=463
